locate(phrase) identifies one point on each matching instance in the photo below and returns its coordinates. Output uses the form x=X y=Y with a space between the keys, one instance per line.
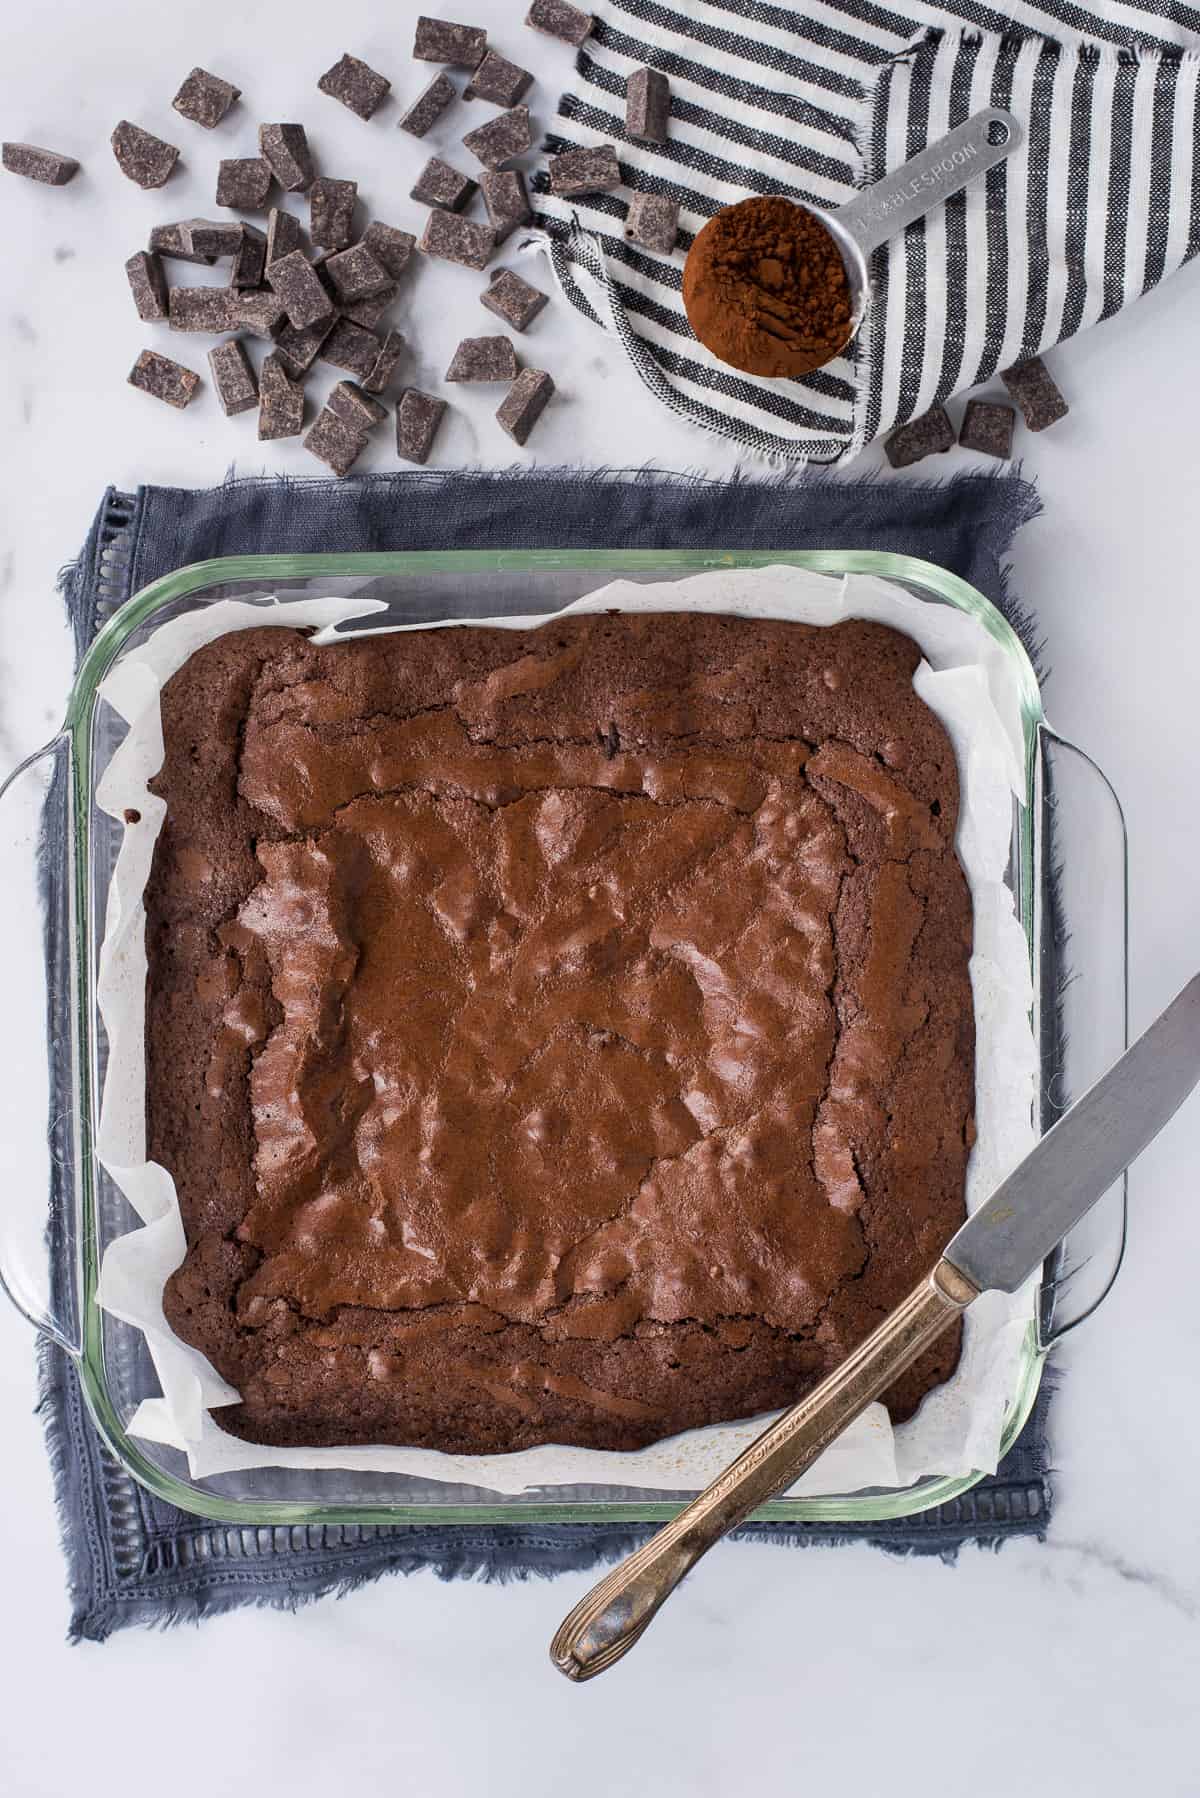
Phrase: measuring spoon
x=882 y=211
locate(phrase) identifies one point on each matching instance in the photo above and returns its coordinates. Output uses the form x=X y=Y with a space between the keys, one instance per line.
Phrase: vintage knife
x=1004 y=1242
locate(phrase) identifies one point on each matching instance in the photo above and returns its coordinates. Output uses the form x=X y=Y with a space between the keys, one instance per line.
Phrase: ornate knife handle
x=606 y=1624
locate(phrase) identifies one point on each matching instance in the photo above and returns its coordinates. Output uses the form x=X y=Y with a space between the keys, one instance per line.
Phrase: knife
x=998 y=1248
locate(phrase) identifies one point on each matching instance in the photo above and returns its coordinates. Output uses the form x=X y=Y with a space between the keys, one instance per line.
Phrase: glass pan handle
x=37 y=1121
x=1081 y=913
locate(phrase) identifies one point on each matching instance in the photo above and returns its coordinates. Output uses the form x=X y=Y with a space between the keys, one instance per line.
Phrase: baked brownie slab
x=554 y=1036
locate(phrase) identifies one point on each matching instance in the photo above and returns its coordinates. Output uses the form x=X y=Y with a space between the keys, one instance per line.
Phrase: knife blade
x=1078 y=1159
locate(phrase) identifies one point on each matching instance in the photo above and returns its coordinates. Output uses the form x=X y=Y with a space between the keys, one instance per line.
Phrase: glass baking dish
x=1067 y=873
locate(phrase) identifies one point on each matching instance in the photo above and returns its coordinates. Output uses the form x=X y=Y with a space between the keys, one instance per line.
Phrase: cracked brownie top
x=560 y=1035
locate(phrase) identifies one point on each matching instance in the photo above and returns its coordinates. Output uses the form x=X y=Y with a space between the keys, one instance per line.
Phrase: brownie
x=559 y=1035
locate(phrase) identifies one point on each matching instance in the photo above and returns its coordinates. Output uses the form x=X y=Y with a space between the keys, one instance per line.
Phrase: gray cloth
x=132 y=1559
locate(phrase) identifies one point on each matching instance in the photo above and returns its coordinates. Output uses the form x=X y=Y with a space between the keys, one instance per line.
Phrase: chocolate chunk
x=331 y=212
x=429 y=106
x=988 y=428
x=148 y=285
x=356 y=85
x=506 y=136
x=244 y=182
x=506 y=200
x=297 y=350
x=417 y=419
x=320 y=260
x=356 y=274
x=585 y=171
x=368 y=312
x=259 y=313
x=513 y=299
x=144 y=158
x=457 y=239
x=280 y=400
x=498 y=80
x=283 y=234
x=483 y=359
x=175 y=241
x=37 y=164
x=524 y=403
x=202 y=309
x=349 y=346
x=1032 y=386
x=390 y=247
x=213 y=239
x=251 y=259
x=390 y=352
x=205 y=98
x=647 y=106
x=163 y=379
x=335 y=443
x=440 y=185
x=285 y=147
x=233 y=378
x=653 y=221
x=301 y=293
x=438 y=40
x=355 y=407
x=928 y=435
x=558 y=19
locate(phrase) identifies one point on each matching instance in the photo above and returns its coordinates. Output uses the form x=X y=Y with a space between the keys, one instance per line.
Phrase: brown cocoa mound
x=765 y=289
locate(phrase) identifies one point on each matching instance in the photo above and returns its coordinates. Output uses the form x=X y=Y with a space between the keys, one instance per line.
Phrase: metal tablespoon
x=882 y=210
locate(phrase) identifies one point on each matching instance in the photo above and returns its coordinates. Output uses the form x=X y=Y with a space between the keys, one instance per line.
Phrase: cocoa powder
x=765 y=288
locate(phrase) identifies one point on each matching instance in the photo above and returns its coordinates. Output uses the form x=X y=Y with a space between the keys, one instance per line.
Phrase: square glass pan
x=1070 y=890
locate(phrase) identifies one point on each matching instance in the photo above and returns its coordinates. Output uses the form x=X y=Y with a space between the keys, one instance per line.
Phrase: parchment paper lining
x=966 y=680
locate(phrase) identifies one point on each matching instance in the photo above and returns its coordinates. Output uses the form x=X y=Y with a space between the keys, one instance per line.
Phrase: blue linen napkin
x=130 y=1557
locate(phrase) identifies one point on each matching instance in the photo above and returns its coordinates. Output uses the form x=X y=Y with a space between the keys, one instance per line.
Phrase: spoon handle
x=916 y=187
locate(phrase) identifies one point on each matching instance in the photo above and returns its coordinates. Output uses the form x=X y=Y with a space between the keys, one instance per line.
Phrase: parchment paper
x=966 y=680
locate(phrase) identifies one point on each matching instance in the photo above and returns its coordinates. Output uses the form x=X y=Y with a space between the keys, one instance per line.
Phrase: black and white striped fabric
x=1101 y=201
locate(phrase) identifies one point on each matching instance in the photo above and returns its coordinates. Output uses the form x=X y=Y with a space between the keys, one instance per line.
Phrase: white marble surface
x=1066 y=1666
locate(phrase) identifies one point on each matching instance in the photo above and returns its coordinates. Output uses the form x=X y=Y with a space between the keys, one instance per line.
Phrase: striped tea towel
x=1100 y=202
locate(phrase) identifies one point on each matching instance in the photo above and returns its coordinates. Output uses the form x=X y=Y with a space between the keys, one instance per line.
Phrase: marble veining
x=1098 y=1556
